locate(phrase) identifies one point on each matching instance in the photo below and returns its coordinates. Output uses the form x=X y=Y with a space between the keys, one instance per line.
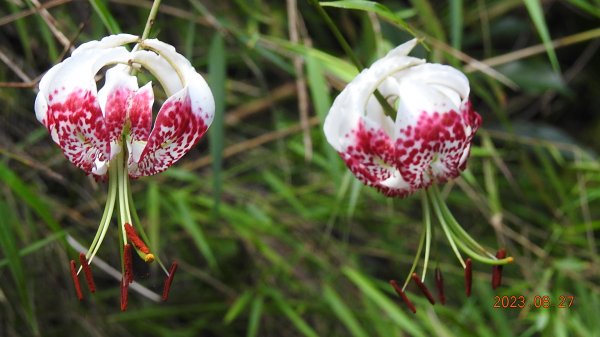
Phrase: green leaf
x=293 y=316
x=21 y=189
x=193 y=228
x=237 y=307
x=371 y=7
x=341 y=310
x=255 y=315
x=9 y=249
x=107 y=19
x=534 y=7
x=386 y=305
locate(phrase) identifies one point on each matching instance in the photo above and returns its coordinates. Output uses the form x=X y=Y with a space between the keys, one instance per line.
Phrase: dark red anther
x=468 y=276
x=135 y=239
x=439 y=283
x=497 y=270
x=128 y=263
x=168 y=281
x=124 y=294
x=76 y=280
x=423 y=288
x=401 y=293
x=87 y=272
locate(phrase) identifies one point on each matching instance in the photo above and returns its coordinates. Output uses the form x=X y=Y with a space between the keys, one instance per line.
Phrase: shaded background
x=274 y=237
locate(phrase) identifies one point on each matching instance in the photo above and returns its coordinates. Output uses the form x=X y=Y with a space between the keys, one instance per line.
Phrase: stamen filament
x=416 y=259
x=423 y=288
x=76 y=280
x=142 y=233
x=123 y=216
x=460 y=232
x=107 y=215
x=449 y=236
x=124 y=294
x=427 y=219
x=402 y=295
x=87 y=272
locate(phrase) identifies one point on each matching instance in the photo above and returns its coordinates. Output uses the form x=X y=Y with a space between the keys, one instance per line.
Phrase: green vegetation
x=273 y=235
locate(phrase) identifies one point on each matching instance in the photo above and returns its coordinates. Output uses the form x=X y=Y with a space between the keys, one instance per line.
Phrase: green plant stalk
x=459 y=232
x=416 y=259
x=348 y=50
x=140 y=228
x=107 y=215
x=151 y=17
x=427 y=220
x=449 y=236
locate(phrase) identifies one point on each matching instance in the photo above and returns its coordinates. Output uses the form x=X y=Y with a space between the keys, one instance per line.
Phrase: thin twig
x=51 y=22
x=537 y=49
x=293 y=17
x=249 y=144
x=27 y=12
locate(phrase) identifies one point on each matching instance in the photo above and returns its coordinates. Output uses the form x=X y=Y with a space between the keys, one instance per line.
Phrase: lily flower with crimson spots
x=427 y=142
x=108 y=133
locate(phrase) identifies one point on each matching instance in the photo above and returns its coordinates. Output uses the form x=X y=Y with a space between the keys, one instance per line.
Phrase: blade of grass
x=292 y=315
x=35 y=246
x=429 y=19
x=385 y=304
x=534 y=7
x=9 y=249
x=341 y=310
x=255 y=314
x=106 y=17
x=237 y=307
x=321 y=99
x=217 y=63
x=190 y=225
x=20 y=188
x=456 y=24
x=371 y=7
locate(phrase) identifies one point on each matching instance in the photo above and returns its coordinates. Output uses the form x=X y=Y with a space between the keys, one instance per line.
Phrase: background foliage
x=273 y=235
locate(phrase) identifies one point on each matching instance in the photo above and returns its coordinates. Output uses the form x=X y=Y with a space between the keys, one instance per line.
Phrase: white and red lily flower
x=430 y=138
x=89 y=125
x=427 y=142
x=109 y=133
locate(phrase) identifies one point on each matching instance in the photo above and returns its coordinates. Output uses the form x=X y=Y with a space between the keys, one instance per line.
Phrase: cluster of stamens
x=439 y=282
x=127 y=268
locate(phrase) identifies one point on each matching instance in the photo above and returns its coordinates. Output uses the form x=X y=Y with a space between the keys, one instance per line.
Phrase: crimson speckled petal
x=176 y=130
x=430 y=138
x=140 y=118
x=93 y=127
x=68 y=106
